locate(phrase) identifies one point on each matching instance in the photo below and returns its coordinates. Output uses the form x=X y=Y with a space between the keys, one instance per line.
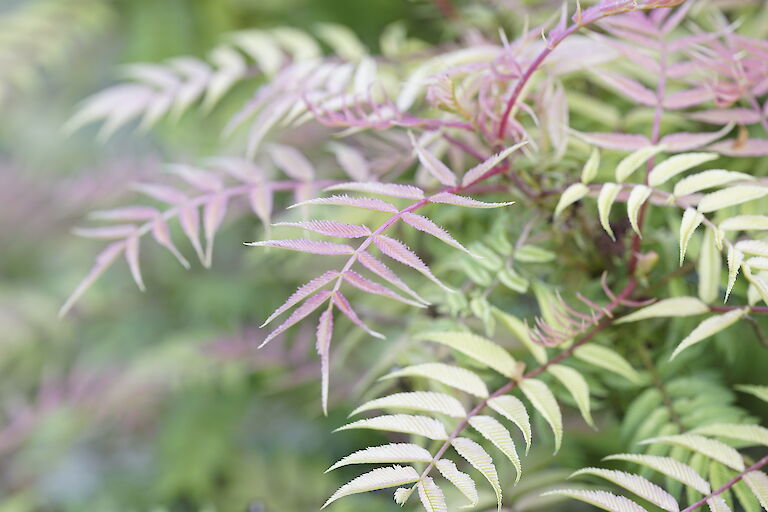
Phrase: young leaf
x=577 y=386
x=452 y=376
x=634 y=160
x=398 y=251
x=520 y=331
x=385 y=189
x=384 y=272
x=605 y=200
x=323 y=345
x=311 y=304
x=403 y=423
x=366 y=203
x=345 y=307
x=292 y=162
x=637 y=197
x=189 y=218
x=431 y=496
x=330 y=228
x=756 y=247
x=710 y=327
x=674 y=165
x=368 y=286
x=132 y=257
x=309 y=246
x=162 y=236
x=303 y=292
x=607 y=359
x=467 y=202
x=379 y=478
x=513 y=409
x=479 y=170
x=745 y=223
x=731 y=196
x=669 y=467
x=601 y=499
x=735 y=259
x=709 y=267
x=462 y=481
x=388 y=453
x=707 y=179
x=103 y=260
x=636 y=484
x=711 y=448
x=544 y=401
x=478 y=348
x=481 y=461
x=423 y=401
x=618 y=141
x=675 y=306
x=691 y=220
x=431 y=163
x=572 y=194
x=589 y=172
x=495 y=432
x=352 y=161
x=427 y=226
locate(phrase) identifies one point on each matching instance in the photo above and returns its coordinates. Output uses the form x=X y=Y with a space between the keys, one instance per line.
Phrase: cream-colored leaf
x=731 y=196
x=604 y=202
x=518 y=328
x=637 y=198
x=423 y=401
x=544 y=401
x=577 y=386
x=481 y=461
x=756 y=247
x=634 y=160
x=462 y=481
x=745 y=223
x=691 y=220
x=453 y=376
x=753 y=434
x=711 y=448
x=431 y=496
x=607 y=359
x=667 y=466
x=707 y=179
x=758 y=484
x=636 y=484
x=710 y=327
x=591 y=167
x=572 y=194
x=760 y=392
x=757 y=263
x=718 y=504
x=600 y=499
x=478 y=348
x=402 y=494
x=675 y=306
x=674 y=165
x=496 y=433
x=709 y=267
x=380 y=478
x=403 y=423
x=388 y=453
x=735 y=259
x=514 y=410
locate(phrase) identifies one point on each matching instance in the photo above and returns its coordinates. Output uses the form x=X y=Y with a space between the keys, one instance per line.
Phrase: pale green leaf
x=758 y=483
x=735 y=259
x=462 y=481
x=667 y=466
x=600 y=499
x=453 y=376
x=709 y=267
x=745 y=223
x=481 y=461
x=589 y=171
x=674 y=165
x=710 y=327
x=533 y=254
x=403 y=423
x=577 y=386
x=673 y=307
x=757 y=263
x=707 y=179
x=431 y=496
x=478 y=348
x=637 y=198
x=388 y=453
x=424 y=401
x=513 y=409
x=380 y=478
x=756 y=247
x=520 y=331
x=718 y=504
x=605 y=200
x=607 y=359
x=760 y=392
x=636 y=484
x=711 y=448
x=572 y=194
x=342 y=41
x=731 y=196
x=634 y=160
x=544 y=401
x=495 y=432
x=753 y=434
x=691 y=220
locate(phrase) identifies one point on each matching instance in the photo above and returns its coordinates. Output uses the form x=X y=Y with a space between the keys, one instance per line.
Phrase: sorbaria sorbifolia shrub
x=603 y=187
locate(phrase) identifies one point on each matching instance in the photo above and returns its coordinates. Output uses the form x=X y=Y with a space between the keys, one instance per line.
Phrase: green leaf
x=673 y=307
x=513 y=409
x=572 y=194
x=674 y=165
x=544 y=401
x=478 y=348
x=520 y=331
x=710 y=327
x=604 y=203
x=589 y=172
x=607 y=359
x=577 y=386
x=634 y=160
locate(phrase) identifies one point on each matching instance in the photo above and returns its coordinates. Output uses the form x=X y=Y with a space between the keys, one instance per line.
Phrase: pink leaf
x=190 y=224
x=299 y=314
x=620 y=141
x=467 y=202
x=292 y=162
x=330 y=228
x=103 y=260
x=356 y=202
x=628 y=87
x=679 y=142
x=427 y=226
x=127 y=214
x=733 y=147
x=352 y=161
x=398 y=251
x=213 y=213
x=310 y=246
x=303 y=292
x=343 y=304
x=161 y=193
x=368 y=286
x=479 y=170
x=198 y=178
x=436 y=168
x=162 y=236
x=324 y=334
x=386 y=189
x=689 y=98
x=725 y=116
x=260 y=198
x=132 y=257
x=118 y=231
x=383 y=271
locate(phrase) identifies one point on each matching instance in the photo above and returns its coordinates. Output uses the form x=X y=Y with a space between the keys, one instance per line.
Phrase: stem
x=727 y=485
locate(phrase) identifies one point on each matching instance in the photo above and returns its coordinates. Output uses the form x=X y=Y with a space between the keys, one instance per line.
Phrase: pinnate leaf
x=385 y=189
x=675 y=306
x=670 y=467
x=497 y=434
x=330 y=228
x=452 y=376
x=423 y=401
x=379 y=478
x=710 y=327
x=309 y=246
x=513 y=409
x=544 y=401
x=481 y=461
x=462 y=481
x=431 y=496
x=403 y=423
x=636 y=484
x=398 y=251
x=467 y=202
x=388 y=453
x=577 y=386
x=601 y=499
x=711 y=448
x=478 y=348
x=366 y=203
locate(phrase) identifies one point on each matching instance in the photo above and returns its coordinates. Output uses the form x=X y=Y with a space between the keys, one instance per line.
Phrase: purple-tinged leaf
x=103 y=260
x=127 y=214
x=132 y=257
x=106 y=232
x=620 y=141
x=299 y=314
x=260 y=199
x=352 y=161
x=189 y=218
x=467 y=202
x=213 y=213
x=343 y=304
x=356 y=202
x=368 y=286
x=383 y=271
x=431 y=163
x=303 y=292
x=198 y=178
x=386 y=189
x=725 y=116
x=324 y=335
x=479 y=170
x=239 y=168
x=292 y=162
x=398 y=251
x=734 y=147
x=682 y=69
x=330 y=228
x=162 y=236
x=161 y=193
x=689 y=98
x=628 y=87
x=427 y=226
x=310 y=246
x=680 y=142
